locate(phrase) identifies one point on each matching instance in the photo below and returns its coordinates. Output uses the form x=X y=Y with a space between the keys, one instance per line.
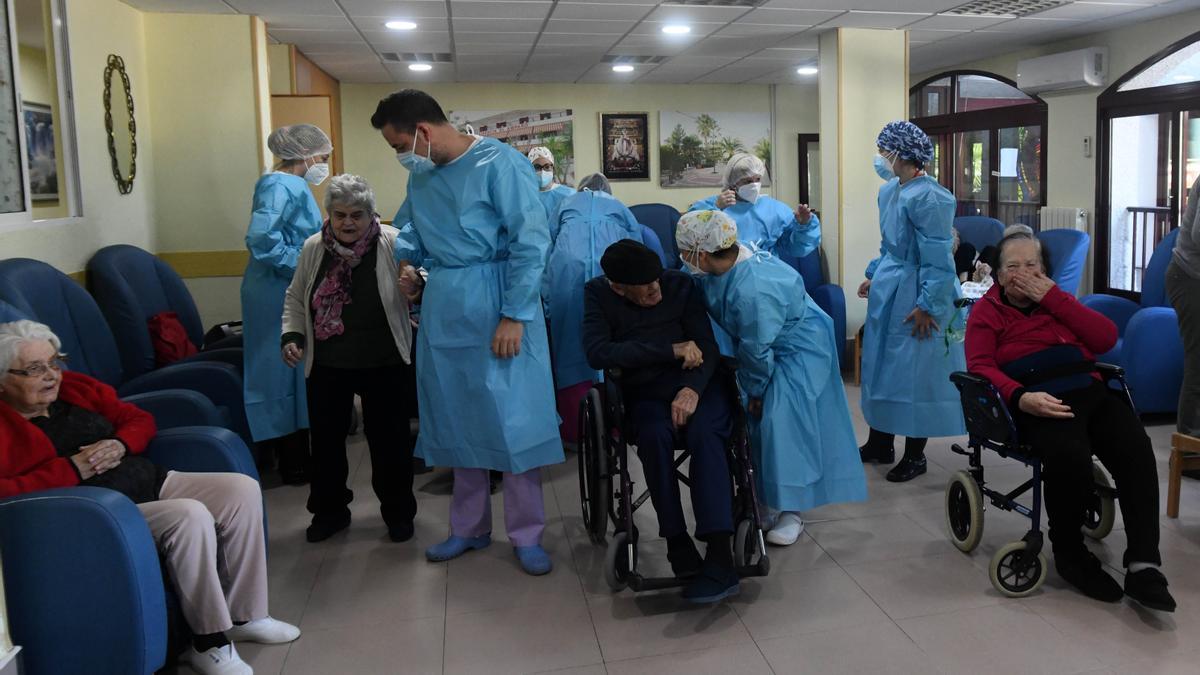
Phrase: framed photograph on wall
x=624 y=140
x=39 y=146
x=553 y=128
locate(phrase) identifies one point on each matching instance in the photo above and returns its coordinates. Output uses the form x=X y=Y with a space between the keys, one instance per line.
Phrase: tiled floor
x=870 y=588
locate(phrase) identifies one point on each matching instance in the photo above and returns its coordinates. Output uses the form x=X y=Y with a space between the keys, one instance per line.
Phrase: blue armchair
x=1067 y=250
x=829 y=297
x=652 y=242
x=662 y=219
x=1149 y=348
x=131 y=285
x=114 y=616
x=45 y=294
x=979 y=231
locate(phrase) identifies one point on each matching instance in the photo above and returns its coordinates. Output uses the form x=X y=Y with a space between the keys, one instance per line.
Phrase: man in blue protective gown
x=550 y=193
x=473 y=219
x=910 y=289
x=582 y=228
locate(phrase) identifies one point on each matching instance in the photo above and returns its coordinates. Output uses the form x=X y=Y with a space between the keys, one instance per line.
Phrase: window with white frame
x=38 y=167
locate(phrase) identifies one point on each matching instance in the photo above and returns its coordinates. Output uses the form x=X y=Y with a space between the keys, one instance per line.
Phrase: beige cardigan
x=297 y=308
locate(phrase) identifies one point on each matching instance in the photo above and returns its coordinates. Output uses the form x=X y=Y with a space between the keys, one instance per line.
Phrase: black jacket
x=638 y=340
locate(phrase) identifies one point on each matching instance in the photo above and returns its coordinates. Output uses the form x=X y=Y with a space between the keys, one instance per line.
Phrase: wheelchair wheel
x=595 y=481
x=1101 y=510
x=616 y=556
x=745 y=543
x=1014 y=573
x=964 y=511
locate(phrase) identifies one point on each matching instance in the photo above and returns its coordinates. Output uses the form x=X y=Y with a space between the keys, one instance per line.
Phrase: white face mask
x=317 y=173
x=693 y=268
x=545 y=178
x=749 y=192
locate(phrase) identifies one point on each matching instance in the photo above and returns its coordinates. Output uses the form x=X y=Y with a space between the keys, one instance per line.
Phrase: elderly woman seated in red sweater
x=60 y=429
x=1037 y=345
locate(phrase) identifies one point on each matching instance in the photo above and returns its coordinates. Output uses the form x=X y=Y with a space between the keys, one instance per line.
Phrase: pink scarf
x=334 y=290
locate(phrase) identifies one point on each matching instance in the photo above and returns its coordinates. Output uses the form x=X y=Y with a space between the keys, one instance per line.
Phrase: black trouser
x=387 y=405
x=1104 y=425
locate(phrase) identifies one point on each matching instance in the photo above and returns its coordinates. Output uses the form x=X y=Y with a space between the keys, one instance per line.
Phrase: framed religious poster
x=624 y=139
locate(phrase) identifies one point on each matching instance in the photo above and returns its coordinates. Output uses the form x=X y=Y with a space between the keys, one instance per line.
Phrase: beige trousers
x=209 y=528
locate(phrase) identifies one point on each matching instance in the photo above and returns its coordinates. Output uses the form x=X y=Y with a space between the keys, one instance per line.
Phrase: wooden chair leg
x=858 y=340
x=1175 y=477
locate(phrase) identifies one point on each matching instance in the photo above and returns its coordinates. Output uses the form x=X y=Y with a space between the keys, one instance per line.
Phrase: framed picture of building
x=624 y=140
x=525 y=130
x=695 y=146
x=39 y=146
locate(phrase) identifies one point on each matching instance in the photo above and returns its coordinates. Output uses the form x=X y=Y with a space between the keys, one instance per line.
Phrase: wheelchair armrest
x=1110 y=372
x=962 y=378
x=964 y=302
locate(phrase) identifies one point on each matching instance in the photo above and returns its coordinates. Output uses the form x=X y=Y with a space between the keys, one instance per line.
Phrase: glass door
x=1141 y=192
x=972 y=167
x=1019 y=176
x=809 y=154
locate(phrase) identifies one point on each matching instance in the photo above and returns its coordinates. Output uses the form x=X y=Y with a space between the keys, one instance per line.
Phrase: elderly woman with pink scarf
x=345 y=320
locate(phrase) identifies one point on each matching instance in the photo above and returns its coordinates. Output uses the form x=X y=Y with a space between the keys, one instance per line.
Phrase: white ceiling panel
x=643 y=44
x=762 y=34
x=863 y=19
x=497 y=25
x=602 y=73
x=929 y=6
x=655 y=28
x=782 y=59
x=729 y=46
x=668 y=13
x=307 y=22
x=416 y=42
x=789 y=17
x=1032 y=25
x=493 y=48
x=932 y=35
x=806 y=40
x=662 y=75
x=442 y=72
x=285 y=7
x=646 y=3
x=372 y=73
x=413 y=9
x=952 y=22
x=1091 y=11
x=599 y=26
x=351 y=53
x=185 y=6
x=600 y=10
x=303 y=36
x=513 y=9
x=577 y=39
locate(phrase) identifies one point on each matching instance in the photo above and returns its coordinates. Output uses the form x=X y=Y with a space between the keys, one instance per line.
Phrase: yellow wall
x=35 y=78
x=280 y=59
x=37 y=86
x=368 y=155
x=102 y=27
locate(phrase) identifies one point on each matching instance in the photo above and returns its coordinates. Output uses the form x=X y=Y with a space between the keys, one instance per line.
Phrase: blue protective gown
x=769 y=225
x=804 y=445
x=478 y=226
x=906 y=388
x=586 y=224
x=285 y=214
x=551 y=199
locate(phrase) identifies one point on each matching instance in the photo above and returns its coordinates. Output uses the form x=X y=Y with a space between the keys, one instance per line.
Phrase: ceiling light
x=676 y=29
x=400 y=25
x=1183 y=78
x=420 y=67
x=807 y=70
x=623 y=68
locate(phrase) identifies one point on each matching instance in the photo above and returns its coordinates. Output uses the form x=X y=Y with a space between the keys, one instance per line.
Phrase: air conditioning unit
x=1061 y=72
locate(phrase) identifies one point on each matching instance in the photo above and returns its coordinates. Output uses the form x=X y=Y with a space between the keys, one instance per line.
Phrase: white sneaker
x=267 y=631
x=218 y=661
x=786 y=531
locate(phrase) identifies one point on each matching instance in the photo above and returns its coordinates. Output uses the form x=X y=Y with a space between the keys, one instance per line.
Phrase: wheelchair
x=607 y=491
x=1019 y=568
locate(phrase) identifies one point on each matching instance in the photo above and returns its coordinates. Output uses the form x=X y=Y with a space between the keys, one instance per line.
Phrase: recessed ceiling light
x=1183 y=78
x=420 y=67
x=676 y=29
x=623 y=68
x=400 y=25
x=807 y=70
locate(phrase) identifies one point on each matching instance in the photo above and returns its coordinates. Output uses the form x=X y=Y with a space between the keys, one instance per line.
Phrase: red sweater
x=28 y=461
x=998 y=333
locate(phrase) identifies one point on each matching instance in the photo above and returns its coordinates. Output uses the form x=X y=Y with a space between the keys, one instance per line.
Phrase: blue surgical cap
x=907 y=141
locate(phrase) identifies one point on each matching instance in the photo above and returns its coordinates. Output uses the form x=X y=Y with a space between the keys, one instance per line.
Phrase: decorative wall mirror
x=121 y=127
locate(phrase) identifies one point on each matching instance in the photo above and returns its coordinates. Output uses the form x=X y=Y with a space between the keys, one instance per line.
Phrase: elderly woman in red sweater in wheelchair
x=1037 y=345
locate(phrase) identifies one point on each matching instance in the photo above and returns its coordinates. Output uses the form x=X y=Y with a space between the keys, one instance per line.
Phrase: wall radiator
x=1059 y=218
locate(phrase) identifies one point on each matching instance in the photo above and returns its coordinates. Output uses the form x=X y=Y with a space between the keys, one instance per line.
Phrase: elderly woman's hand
x=1041 y=404
x=1034 y=286
x=864 y=289
x=98 y=457
x=411 y=284
x=292 y=354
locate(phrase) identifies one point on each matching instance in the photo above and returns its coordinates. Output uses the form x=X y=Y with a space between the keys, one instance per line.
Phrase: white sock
x=1139 y=566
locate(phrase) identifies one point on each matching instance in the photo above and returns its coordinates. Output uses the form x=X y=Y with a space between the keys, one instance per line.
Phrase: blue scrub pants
x=706 y=435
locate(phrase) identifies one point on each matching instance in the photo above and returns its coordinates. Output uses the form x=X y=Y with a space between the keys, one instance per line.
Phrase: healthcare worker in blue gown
x=800 y=429
x=763 y=222
x=910 y=290
x=285 y=214
x=585 y=225
x=484 y=389
x=550 y=193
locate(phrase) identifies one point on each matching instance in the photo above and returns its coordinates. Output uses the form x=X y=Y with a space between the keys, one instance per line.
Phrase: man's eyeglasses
x=40 y=369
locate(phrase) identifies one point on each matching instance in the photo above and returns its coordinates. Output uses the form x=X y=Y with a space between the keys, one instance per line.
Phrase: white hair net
x=707 y=231
x=541 y=152
x=740 y=165
x=299 y=141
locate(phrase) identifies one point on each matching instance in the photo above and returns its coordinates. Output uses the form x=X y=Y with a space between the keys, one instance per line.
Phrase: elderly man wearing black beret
x=652 y=324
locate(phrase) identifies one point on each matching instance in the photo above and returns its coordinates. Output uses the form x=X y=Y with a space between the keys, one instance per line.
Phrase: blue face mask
x=545 y=178
x=416 y=163
x=884 y=168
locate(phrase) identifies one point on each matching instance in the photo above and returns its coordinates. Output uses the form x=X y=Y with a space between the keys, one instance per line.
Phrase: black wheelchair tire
x=964 y=511
x=745 y=543
x=1101 y=512
x=1013 y=582
x=595 y=481
x=616 y=573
